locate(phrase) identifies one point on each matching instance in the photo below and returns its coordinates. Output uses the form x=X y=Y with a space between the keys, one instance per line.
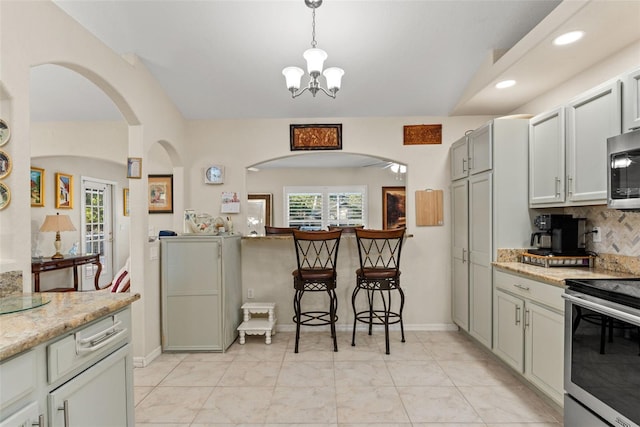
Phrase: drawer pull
x=40 y=422
x=100 y=340
x=519 y=286
x=527 y=316
x=65 y=410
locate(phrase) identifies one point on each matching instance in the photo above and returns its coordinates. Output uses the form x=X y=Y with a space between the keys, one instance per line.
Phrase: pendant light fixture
x=315 y=58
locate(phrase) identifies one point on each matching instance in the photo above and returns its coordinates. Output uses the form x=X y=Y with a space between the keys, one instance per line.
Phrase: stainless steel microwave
x=623 y=171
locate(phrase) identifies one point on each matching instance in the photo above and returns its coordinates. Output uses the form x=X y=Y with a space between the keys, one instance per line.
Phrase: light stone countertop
x=557 y=275
x=23 y=330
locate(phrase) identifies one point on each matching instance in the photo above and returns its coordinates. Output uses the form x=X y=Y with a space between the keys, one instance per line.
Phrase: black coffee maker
x=559 y=234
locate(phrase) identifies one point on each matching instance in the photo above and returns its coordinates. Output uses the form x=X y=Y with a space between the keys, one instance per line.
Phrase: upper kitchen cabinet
x=472 y=154
x=591 y=119
x=631 y=101
x=546 y=158
x=568 y=146
x=460 y=159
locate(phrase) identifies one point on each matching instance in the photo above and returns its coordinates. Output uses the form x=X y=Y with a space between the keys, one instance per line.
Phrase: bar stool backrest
x=380 y=249
x=316 y=250
x=268 y=230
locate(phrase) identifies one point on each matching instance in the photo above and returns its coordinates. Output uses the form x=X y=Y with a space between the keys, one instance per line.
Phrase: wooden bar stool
x=379 y=273
x=316 y=255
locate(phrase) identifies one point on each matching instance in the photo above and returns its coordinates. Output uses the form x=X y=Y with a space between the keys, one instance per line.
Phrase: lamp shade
x=293 y=75
x=315 y=60
x=57 y=223
x=334 y=78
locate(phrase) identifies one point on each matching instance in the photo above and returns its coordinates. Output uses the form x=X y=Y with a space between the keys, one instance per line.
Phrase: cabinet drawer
x=85 y=346
x=545 y=294
x=17 y=378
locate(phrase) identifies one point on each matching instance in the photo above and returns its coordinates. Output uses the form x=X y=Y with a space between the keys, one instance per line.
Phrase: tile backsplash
x=620 y=229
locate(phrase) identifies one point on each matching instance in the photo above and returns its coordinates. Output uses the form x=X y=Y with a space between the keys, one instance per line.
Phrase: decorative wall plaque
x=422 y=134
x=316 y=137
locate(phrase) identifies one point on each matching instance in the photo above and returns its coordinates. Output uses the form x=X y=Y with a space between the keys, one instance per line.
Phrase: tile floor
x=434 y=379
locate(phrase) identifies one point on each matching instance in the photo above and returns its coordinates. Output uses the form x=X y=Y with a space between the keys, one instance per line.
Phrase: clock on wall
x=214 y=174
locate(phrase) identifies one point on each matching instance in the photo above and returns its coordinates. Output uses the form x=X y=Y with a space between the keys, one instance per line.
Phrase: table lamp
x=57 y=223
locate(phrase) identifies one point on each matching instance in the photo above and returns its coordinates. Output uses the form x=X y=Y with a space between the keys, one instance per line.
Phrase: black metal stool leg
x=296 y=308
x=387 y=307
x=333 y=307
x=400 y=312
x=370 y=296
x=355 y=314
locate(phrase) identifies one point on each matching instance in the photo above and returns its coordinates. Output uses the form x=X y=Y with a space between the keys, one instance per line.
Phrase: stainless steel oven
x=602 y=352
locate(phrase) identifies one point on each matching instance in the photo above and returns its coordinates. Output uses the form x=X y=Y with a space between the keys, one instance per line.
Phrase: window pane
x=305 y=210
x=345 y=209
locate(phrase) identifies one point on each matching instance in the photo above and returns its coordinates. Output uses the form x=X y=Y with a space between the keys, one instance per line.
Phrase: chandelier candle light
x=315 y=58
x=57 y=223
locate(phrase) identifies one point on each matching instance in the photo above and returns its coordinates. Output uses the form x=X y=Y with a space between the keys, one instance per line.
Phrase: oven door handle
x=603 y=309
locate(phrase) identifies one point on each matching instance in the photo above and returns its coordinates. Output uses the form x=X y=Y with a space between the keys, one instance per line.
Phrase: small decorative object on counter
x=229 y=225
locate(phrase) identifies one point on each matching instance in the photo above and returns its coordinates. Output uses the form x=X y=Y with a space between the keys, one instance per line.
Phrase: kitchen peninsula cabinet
x=489 y=210
x=568 y=146
x=529 y=330
x=201 y=290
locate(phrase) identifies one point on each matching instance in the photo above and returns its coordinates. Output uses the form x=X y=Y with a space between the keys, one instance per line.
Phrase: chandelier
x=315 y=59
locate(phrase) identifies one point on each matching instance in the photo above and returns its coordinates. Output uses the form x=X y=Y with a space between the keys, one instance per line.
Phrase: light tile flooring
x=434 y=379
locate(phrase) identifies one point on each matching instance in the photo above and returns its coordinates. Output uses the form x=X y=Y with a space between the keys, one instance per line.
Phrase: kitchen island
x=68 y=360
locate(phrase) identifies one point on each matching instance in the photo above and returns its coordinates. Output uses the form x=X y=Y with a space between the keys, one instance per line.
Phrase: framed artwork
x=160 y=194
x=259 y=212
x=5 y=132
x=125 y=201
x=315 y=137
x=64 y=191
x=37 y=187
x=5 y=196
x=393 y=208
x=5 y=164
x=134 y=167
x=422 y=134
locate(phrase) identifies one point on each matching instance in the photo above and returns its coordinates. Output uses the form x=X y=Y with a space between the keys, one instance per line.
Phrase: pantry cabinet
x=529 y=330
x=631 y=101
x=460 y=159
x=567 y=149
x=488 y=212
x=200 y=285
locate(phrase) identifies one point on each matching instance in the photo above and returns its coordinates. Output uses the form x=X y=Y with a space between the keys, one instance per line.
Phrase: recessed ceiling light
x=568 y=38
x=505 y=84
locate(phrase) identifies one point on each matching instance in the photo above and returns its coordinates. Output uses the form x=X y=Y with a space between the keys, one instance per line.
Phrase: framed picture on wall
x=393 y=208
x=37 y=187
x=125 y=201
x=134 y=167
x=259 y=212
x=160 y=194
x=64 y=191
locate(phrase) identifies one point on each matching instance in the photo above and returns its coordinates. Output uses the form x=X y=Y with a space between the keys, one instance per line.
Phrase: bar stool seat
x=316 y=256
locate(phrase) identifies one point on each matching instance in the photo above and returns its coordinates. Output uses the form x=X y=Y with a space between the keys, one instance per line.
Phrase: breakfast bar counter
x=63 y=312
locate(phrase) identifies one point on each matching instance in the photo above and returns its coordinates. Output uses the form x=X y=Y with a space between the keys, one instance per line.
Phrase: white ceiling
x=223 y=59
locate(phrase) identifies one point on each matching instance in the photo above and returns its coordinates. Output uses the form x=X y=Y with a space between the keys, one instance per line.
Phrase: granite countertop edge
x=557 y=276
x=66 y=311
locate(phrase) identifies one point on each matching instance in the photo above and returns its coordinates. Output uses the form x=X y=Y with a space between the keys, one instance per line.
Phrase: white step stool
x=260 y=325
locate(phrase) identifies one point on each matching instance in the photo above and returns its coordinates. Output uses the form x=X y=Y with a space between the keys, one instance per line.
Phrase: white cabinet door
x=98 y=397
x=591 y=119
x=459 y=159
x=460 y=253
x=545 y=350
x=508 y=332
x=631 y=101
x=480 y=250
x=547 y=158
x=28 y=416
x=480 y=154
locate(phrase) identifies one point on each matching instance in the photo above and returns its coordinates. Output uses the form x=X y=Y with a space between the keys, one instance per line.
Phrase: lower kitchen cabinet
x=529 y=331
x=201 y=292
x=83 y=377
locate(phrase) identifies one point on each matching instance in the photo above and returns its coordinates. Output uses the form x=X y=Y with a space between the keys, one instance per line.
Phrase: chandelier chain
x=313 y=28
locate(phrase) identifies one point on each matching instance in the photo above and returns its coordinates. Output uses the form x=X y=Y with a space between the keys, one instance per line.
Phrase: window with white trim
x=316 y=208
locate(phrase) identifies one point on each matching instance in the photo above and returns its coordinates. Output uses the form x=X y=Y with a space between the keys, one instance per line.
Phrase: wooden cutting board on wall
x=429 y=207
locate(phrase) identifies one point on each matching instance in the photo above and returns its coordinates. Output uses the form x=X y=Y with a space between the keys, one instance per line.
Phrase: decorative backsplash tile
x=620 y=229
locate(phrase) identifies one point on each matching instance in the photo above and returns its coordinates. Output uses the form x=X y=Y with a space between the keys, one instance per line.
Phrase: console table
x=69 y=261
